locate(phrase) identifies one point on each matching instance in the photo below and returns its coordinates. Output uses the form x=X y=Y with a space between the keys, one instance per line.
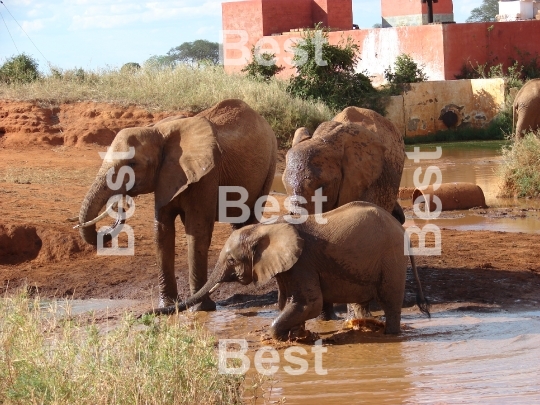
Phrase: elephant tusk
x=214 y=288
x=95 y=220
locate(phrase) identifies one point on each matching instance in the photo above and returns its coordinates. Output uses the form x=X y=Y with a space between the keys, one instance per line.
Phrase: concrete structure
x=429 y=107
x=518 y=10
x=398 y=13
x=441 y=49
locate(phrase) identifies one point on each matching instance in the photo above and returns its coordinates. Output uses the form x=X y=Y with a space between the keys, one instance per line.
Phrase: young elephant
x=356 y=256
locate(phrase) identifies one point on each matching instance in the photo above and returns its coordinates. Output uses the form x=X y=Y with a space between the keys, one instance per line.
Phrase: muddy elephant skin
x=184 y=161
x=340 y=261
x=526 y=109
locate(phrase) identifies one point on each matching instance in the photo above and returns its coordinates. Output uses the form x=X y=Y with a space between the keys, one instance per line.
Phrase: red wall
x=488 y=42
x=340 y=14
x=394 y=8
x=283 y=15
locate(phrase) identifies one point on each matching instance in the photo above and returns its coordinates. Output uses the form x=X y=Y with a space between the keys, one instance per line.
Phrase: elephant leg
x=391 y=299
x=299 y=306
x=327 y=313
x=199 y=225
x=164 y=239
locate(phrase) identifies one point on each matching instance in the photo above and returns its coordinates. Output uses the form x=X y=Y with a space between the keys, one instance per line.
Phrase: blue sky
x=98 y=33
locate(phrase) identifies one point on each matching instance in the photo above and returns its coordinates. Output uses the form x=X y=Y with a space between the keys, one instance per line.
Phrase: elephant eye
x=230 y=261
x=132 y=164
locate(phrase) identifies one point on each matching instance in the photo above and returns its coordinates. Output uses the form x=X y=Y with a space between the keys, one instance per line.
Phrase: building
x=442 y=48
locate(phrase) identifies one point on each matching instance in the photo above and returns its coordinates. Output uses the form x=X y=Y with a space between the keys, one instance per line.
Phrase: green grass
x=520 y=172
x=46 y=358
x=182 y=88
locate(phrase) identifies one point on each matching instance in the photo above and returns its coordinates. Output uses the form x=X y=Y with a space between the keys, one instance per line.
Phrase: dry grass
x=46 y=358
x=181 y=88
x=520 y=172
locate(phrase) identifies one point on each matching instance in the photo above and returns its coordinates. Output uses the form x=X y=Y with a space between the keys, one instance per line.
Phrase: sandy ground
x=42 y=187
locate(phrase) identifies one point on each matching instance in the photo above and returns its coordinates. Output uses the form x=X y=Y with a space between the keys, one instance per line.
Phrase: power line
x=9 y=32
x=24 y=32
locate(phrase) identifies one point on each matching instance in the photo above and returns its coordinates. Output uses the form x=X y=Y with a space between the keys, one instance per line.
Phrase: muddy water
x=472 y=162
x=478 y=163
x=456 y=357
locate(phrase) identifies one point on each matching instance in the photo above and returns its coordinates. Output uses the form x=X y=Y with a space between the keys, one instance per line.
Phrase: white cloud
x=109 y=14
x=32 y=26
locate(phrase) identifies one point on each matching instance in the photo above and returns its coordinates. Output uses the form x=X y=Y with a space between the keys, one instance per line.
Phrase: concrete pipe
x=453 y=196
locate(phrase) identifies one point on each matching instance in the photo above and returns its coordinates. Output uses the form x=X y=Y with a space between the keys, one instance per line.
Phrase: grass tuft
x=180 y=88
x=520 y=172
x=47 y=358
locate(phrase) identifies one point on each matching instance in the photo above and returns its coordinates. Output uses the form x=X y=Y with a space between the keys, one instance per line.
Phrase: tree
x=196 y=52
x=262 y=66
x=19 y=69
x=405 y=71
x=158 y=62
x=486 y=12
x=327 y=73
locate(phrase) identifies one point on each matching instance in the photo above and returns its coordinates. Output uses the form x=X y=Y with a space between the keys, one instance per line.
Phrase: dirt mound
x=74 y=124
x=43 y=244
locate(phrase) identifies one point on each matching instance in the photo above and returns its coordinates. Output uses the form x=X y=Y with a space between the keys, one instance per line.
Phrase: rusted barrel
x=453 y=196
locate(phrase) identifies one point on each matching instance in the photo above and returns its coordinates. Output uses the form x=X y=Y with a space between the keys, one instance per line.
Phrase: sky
x=95 y=34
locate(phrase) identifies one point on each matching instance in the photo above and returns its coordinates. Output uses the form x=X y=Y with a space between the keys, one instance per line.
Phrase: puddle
x=458 y=356
x=76 y=307
x=478 y=163
x=277 y=185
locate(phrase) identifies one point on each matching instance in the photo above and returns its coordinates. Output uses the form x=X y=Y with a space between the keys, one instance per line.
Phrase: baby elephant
x=356 y=256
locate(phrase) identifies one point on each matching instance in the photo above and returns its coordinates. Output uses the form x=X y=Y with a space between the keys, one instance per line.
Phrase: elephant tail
x=421 y=300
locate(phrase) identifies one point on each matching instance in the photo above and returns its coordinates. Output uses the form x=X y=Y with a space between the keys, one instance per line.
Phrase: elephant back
x=384 y=191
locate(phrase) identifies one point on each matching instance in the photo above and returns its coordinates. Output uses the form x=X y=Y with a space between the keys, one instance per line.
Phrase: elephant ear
x=276 y=248
x=300 y=135
x=190 y=151
x=363 y=162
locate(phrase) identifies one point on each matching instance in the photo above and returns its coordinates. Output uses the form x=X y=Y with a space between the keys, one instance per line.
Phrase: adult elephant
x=342 y=261
x=526 y=108
x=358 y=156
x=183 y=162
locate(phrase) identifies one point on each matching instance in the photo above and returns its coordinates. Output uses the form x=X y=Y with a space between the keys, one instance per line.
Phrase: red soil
x=39 y=247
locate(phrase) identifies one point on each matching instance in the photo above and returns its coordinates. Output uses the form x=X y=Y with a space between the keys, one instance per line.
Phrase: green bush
x=262 y=66
x=19 y=69
x=520 y=171
x=405 y=71
x=329 y=75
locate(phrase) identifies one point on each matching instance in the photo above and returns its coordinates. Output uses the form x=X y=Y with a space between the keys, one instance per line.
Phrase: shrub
x=520 y=171
x=262 y=66
x=130 y=67
x=329 y=75
x=19 y=69
x=405 y=71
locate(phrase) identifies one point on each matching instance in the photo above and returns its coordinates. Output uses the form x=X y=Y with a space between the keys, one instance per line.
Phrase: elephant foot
x=328 y=313
x=206 y=305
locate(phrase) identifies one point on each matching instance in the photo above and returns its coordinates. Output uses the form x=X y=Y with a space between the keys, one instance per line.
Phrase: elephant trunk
x=93 y=202
x=216 y=278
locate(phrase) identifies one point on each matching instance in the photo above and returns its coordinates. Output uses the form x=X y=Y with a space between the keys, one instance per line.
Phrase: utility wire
x=9 y=32
x=24 y=32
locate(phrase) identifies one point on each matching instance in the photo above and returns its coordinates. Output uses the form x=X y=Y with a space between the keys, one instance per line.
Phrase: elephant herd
x=359 y=253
